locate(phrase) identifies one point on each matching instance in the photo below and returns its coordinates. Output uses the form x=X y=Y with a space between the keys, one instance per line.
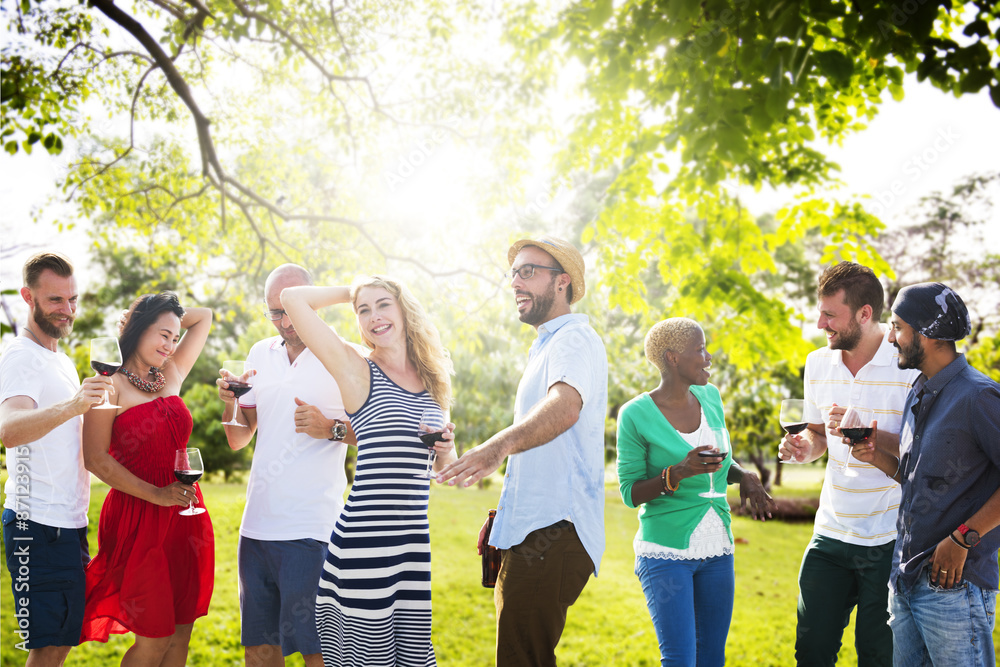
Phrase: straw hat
x=566 y=254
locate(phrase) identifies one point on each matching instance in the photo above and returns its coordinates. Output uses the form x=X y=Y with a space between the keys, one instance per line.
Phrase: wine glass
x=188 y=469
x=430 y=430
x=856 y=426
x=791 y=416
x=106 y=360
x=717 y=437
x=239 y=386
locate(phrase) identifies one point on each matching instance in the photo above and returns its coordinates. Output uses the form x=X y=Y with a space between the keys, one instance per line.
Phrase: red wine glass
x=188 y=469
x=106 y=360
x=792 y=420
x=430 y=430
x=240 y=381
x=856 y=426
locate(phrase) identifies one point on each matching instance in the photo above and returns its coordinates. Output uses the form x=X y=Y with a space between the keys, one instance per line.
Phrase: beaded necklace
x=145 y=385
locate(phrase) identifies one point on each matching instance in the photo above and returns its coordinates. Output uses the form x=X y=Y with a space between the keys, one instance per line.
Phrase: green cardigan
x=647 y=444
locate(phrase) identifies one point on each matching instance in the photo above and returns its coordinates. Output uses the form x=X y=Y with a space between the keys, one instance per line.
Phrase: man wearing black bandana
x=945 y=576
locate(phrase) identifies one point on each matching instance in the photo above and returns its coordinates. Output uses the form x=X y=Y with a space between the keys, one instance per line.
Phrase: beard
x=911 y=356
x=848 y=340
x=541 y=306
x=291 y=338
x=46 y=325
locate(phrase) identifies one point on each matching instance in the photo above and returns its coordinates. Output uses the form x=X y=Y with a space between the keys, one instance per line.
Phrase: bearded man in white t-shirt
x=42 y=403
x=849 y=558
x=296 y=488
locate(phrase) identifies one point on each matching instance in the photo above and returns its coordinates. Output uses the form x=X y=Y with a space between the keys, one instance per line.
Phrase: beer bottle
x=491 y=556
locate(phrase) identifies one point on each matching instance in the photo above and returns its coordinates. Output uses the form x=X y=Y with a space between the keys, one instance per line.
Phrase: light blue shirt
x=564 y=478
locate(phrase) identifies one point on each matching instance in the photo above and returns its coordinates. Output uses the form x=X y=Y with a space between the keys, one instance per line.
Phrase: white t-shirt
x=48 y=483
x=857 y=510
x=297 y=483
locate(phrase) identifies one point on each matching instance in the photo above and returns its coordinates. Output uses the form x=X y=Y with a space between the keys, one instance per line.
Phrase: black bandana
x=934 y=311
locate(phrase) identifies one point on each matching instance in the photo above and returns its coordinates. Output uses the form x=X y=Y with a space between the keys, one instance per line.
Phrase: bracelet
x=664 y=476
x=666 y=479
x=898 y=464
x=952 y=536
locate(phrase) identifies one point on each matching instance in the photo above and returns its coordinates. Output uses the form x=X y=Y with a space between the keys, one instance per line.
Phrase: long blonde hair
x=423 y=342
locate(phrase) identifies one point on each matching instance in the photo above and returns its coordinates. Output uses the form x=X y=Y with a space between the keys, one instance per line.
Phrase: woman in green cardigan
x=684 y=547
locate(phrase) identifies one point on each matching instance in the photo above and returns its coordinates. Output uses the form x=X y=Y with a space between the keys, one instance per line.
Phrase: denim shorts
x=278 y=583
x=46 y=570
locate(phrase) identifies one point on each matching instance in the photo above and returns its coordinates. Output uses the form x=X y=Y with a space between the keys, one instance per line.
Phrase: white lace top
x=710 y=537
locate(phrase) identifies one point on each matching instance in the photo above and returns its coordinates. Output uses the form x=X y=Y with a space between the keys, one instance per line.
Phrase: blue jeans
x=691 y=604
x=942 y=626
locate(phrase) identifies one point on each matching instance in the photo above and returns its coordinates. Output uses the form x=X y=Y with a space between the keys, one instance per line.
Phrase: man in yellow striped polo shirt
x=848 y=560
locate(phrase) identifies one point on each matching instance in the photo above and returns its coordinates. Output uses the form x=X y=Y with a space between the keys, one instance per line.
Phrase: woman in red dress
x=154 y=569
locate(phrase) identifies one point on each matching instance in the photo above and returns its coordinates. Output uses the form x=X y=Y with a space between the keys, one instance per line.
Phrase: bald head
x=286 y=275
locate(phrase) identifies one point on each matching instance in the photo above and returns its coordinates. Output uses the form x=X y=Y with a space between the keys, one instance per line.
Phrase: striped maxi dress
x=373 y=606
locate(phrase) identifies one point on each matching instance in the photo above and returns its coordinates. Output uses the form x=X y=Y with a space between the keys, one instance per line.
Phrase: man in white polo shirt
x=296 y=487
x=848 y=560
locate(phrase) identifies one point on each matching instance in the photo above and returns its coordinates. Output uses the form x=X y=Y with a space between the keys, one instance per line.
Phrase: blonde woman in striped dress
x=373 y=606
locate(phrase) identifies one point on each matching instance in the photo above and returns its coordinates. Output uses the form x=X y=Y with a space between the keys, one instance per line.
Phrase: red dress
x=154 y=568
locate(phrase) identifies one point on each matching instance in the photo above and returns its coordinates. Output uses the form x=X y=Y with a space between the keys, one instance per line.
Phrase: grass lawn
x=609 y=625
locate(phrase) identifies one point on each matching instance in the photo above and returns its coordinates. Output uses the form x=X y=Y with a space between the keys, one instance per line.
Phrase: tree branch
x=209 y=157
x=131 y=135
x=329 y=76
x=211 y=167
x=171 y=8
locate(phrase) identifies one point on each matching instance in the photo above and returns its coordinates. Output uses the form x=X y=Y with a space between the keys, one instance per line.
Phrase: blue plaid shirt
x=950 y=460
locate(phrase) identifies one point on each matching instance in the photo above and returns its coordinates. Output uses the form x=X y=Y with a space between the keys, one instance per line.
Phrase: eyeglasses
x=526 y=271
x=274 y=315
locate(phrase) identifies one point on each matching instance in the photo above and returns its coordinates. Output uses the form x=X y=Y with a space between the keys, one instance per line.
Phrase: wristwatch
x=338 y=431
x=970 y=536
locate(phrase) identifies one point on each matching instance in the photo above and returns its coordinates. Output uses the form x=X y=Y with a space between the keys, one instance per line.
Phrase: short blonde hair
x=670 y=334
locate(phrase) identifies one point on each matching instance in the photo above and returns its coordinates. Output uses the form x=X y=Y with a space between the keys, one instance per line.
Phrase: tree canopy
x=210 y=140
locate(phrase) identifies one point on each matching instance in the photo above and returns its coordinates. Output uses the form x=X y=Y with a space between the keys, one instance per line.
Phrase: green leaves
x=599 y=13
x=836 y=66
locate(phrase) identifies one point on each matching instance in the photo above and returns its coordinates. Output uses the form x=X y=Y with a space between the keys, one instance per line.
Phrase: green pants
x=836 y=577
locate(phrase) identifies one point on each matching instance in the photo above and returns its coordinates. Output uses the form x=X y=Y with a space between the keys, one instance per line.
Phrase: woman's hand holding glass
x=446 y=443
x=695 y=464
x=443 y=451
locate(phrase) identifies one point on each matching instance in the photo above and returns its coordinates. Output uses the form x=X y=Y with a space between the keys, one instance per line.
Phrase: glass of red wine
x=792 y=420
x=717 y=437
x=430 y=430
x=188 y=469
x=856 y=426
x=239 y=384
x=106 y=360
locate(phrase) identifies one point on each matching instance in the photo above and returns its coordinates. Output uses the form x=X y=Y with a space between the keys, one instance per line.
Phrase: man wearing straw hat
x=550 y=516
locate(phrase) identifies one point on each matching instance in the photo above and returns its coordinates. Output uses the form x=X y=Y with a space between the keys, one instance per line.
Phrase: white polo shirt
x=857 y=510
x=48 y=483
x=297 y=483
